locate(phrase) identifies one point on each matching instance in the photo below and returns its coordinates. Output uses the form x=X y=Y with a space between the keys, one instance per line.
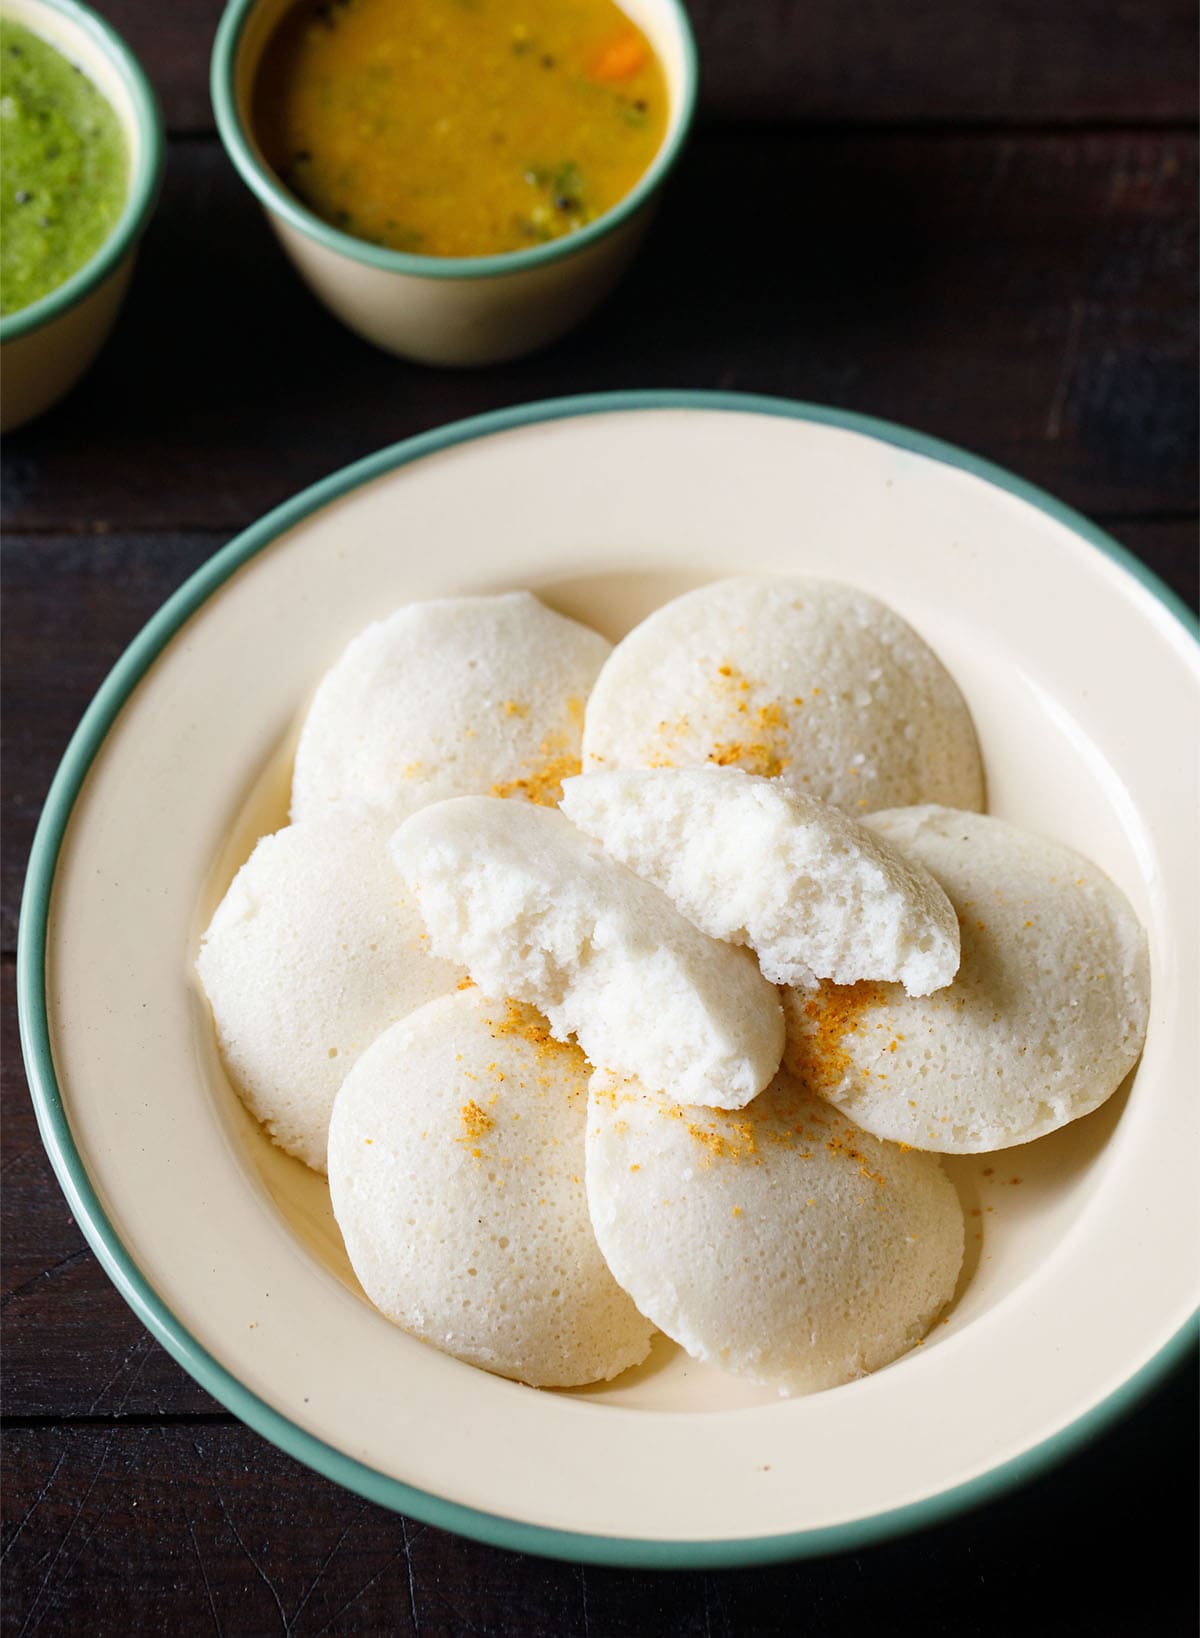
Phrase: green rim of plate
x=122 y=1268
x=279 y=202
x=143 y=184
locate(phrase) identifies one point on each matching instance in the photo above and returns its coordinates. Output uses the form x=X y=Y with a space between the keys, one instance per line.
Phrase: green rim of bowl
x=123 y=1269
x=143 y=184
x=279 y=202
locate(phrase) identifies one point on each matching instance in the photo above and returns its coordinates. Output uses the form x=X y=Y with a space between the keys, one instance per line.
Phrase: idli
x=811 y=891
x=535 y=909
x=780 y=1243
x=463 y=695
x=1046 y=1016
x=311 y=954
x=808 y=680
x=456 y=1163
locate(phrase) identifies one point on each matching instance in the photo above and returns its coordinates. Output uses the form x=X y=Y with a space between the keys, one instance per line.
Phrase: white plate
x=1084 y=687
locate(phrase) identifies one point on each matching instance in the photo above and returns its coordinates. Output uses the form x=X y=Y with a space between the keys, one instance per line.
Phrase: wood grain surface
x=1005 y=62
x=977 y=220
x=147 y=1526
x=1030 y=295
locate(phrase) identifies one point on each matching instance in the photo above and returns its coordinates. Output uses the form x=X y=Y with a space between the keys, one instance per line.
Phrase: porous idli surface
x=535 y=909
x=456 y=1169
x=313 y=952
x=808 y=680
x=780 y=1243
x=456 y=696
x=811 y=891
x=1046 y=1015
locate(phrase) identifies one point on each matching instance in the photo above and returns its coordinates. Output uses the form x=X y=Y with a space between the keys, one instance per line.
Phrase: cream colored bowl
x=47 y=346
x=450 y=310
x=1082 y=682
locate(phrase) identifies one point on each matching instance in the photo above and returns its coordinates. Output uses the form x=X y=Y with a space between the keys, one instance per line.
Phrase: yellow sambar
x=459 y=127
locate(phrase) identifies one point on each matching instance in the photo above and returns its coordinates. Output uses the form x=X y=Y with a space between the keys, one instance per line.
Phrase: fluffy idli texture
x=811 y=891
x=1045 y=1018
x=781 y=1243
x=459 y=696
x=456 y=1165
x=312 y=953
x=809 y=680
x=535 y=909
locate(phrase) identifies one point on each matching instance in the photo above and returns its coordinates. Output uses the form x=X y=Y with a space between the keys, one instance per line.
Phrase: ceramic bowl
x=450 y=310
x=47 y=346
x=1079 y=1276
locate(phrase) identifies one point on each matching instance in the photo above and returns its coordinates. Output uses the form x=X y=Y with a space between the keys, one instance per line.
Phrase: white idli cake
x=755 y=861
x=463 y=695
x=1043 y=1021
x=311 y=954
x=781 y=1243
x=456 y=1163
x=806 y=679
x=535 y=909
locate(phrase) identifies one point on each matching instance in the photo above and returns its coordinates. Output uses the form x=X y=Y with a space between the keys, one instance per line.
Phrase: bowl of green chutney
x=81 y=157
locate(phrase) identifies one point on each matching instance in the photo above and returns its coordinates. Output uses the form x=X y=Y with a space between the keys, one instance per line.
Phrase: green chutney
x=64 y=168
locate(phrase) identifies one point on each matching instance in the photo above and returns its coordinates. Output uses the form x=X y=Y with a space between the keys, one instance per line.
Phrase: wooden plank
x=1050 y=61
x=71 y=606
x=153 y=1529
x=1029 y=297
x=71 y=1344
x=1170 y=548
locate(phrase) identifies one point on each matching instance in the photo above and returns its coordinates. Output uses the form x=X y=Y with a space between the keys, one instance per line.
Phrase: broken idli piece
x=755 y=861
x=806 y=680
x=780 y=1243
x=1045 y=1018
x=535 y=909
x=460 y=696
x=456 y=1165
x=312 y=953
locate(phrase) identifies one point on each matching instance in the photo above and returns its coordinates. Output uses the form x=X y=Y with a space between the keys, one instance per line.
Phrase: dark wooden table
x=978 y=219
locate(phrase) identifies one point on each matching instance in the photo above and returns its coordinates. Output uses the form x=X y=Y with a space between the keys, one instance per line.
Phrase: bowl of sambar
x=459 y=181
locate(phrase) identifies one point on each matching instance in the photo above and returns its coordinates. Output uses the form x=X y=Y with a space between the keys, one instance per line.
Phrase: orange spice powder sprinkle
x=557 y=759
x=844 y=1145
x=543 y=783
x=475 y=1122
x=836 y=1011
x=748 y=1137
x=529 y=1024
x=758 y=737
x=762 y=743
x=732 y=1140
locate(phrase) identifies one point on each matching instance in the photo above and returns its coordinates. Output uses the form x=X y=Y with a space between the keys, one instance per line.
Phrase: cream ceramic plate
x=1084 y=686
